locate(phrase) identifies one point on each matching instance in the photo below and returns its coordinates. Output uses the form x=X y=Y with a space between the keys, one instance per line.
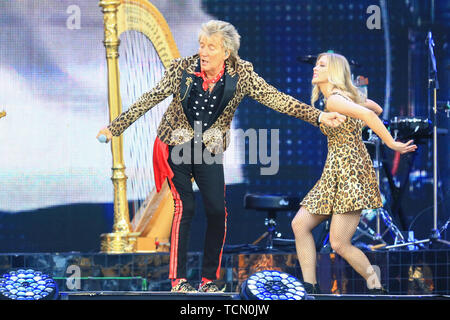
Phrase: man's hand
x=332 y=119
x=105 y=131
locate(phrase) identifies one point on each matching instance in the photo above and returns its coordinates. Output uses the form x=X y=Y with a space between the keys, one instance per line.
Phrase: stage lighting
x=27 y=285
x=272 y=285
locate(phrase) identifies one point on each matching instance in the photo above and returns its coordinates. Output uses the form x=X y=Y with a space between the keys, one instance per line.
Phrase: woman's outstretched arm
x=339 y=104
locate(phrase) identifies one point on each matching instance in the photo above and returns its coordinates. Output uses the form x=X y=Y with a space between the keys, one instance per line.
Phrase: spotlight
x=27 y=285
x=272 y=285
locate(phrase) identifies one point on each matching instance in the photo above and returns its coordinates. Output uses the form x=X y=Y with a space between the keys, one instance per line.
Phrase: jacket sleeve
x=261 y=91
x=161 y=91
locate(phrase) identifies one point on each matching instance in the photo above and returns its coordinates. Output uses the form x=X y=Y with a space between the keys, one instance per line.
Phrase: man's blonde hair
x=231 y=39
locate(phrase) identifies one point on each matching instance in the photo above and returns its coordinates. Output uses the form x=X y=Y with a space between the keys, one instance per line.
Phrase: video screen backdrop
x=53 y=88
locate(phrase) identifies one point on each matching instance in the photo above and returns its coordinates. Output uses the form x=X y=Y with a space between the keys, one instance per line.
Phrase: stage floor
x=153 y=295
x=146 y=295
x=422 y=273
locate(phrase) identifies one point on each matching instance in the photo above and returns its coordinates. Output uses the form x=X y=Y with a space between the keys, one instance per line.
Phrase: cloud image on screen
x=53 y=86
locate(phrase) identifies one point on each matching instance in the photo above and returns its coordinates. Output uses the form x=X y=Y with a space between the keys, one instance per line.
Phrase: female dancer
x=348 y=183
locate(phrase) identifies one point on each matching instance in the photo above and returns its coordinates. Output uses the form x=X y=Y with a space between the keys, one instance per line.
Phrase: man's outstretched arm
x=266 y=94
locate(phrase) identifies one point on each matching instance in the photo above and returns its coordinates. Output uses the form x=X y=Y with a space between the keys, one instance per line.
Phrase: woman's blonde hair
x=231 y=39
x=339 y=76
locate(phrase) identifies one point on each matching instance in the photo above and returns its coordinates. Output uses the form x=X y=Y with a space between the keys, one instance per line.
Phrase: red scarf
x=161 y=166
x=207 y=82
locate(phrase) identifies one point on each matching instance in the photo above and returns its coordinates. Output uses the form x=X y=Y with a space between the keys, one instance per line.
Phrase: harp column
x=121 y=239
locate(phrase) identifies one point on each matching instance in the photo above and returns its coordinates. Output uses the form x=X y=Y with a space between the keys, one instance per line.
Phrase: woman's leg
x=302 y=225
x=342 y=229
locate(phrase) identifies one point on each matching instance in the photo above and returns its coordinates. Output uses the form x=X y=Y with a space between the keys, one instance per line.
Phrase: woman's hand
x=105 y=131
x=403 y=147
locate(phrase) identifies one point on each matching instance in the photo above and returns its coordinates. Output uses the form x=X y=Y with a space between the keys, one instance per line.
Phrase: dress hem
x=331 y=213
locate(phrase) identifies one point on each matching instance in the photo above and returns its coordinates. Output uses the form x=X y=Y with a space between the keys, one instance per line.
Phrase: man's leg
x=184 y=210
x=211 y=183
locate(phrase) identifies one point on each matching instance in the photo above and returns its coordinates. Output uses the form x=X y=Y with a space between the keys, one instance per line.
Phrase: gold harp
x=149 y=229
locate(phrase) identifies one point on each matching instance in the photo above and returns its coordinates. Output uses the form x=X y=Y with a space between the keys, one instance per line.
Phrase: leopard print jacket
x=174 y=127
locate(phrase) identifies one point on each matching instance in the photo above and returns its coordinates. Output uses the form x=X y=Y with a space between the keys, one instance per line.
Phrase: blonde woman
x=348 y=183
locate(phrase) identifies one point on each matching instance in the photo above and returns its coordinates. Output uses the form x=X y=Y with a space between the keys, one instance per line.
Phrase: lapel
x=229 y=89
x=228 y=93
x=187 y=79
x=185 y=88
x=231 y=80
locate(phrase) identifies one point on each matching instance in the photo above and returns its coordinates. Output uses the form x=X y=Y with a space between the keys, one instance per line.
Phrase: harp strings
x=140 y=70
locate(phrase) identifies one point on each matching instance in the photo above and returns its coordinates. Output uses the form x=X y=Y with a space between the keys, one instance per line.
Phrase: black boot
x=378 y=291
x=311 y=288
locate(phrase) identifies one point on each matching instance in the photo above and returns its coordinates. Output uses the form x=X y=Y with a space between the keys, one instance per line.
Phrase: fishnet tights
x=342 y=229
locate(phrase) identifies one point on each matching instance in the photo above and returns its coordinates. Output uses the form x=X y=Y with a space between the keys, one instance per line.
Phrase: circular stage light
x=27 y=285
x=272 y=285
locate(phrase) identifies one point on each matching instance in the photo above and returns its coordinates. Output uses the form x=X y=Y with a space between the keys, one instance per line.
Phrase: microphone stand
x=433 y=86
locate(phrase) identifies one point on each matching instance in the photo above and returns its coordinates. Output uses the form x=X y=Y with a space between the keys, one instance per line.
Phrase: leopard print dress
x=348 y=182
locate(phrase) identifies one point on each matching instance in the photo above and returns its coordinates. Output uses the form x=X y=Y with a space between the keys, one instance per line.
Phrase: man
x=207 y=88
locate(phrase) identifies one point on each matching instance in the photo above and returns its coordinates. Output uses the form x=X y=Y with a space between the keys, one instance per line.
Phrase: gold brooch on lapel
x=188 y=83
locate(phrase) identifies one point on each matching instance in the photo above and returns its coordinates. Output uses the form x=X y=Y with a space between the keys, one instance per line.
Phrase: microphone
x=432 y=58
x=354 y=63
x=307 y=59
x=311 y=59
x=430 y=43
x=102 y=138
x=429 y=39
